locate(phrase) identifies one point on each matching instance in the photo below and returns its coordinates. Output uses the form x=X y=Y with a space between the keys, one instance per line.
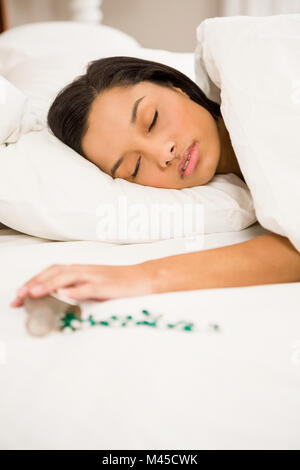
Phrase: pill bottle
x=44 y=314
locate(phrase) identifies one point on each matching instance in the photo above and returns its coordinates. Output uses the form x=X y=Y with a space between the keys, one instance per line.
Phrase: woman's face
x=179 y=123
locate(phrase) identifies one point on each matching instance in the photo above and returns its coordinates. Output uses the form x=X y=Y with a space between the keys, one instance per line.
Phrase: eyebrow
x=132 y=122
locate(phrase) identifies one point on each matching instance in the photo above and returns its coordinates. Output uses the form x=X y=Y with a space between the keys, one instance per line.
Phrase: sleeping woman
x=150 y=124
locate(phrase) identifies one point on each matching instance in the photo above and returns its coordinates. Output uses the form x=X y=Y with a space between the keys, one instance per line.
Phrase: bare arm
x=267 y=259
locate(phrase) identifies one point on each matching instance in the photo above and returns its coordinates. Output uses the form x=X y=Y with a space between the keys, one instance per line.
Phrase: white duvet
x=255 y=64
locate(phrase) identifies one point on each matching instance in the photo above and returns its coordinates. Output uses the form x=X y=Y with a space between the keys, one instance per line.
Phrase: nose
x=167 y=155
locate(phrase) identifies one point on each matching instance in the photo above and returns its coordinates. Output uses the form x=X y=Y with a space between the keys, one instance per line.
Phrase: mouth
x=189 y=161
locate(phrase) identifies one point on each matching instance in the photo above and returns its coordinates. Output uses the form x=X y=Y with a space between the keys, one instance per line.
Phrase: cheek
x=158 y=179
x=155 y=179
x=181 y=122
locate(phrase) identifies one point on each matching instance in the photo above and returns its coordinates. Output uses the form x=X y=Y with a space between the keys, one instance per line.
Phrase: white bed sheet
x=143 y=388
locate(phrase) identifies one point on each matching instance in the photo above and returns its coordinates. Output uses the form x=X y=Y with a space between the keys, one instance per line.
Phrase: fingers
x=45 y=273
x=87 y=282
x=50 y=271
x=17 y=302
x=49 y=280
x=61 y=280
x=85 y=291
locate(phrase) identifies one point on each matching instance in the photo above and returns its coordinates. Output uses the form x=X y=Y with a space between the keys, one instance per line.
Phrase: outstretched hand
x=87 y=282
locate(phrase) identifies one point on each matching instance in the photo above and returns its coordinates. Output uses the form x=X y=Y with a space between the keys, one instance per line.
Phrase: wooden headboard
x=3 y=16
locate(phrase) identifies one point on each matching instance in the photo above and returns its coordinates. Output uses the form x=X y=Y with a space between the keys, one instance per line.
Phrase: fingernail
x=38 y=289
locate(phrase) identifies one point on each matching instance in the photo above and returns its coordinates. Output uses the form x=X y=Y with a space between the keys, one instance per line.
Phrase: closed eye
x=154 y=121
x=136 y=168
x=151 y=126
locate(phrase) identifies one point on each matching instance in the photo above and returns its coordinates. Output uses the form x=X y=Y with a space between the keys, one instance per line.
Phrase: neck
x=228 y=162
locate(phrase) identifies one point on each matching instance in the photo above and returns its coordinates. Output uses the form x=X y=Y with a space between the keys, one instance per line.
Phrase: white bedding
x=260 y=104
x=143 y=388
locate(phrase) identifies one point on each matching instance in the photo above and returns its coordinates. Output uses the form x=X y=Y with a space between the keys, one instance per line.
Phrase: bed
x=3 y=16
x=229 y=381
x=136 y=387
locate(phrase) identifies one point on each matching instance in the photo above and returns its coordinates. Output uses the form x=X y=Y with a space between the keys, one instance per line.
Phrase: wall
x=156 y=24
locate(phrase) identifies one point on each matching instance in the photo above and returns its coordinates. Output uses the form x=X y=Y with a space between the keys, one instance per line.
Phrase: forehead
x=109 y=101
x=110 y=113
x=121 y=98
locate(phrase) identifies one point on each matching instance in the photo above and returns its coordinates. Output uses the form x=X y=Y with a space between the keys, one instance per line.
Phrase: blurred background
x=156 y=24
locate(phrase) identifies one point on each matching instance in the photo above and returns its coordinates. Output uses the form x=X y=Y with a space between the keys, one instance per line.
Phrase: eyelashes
x=136 y=168
x=139 y=160
x=154 y=121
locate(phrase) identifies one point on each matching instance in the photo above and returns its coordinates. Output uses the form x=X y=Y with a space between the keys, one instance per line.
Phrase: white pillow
x=48 y=190
x=16 y=114
x=33 y=56
x=9 y=57
x=40 y=58
x=89 y=42
x=255 y=61
x=60 y=37
x=41 y=78
x=54 y=192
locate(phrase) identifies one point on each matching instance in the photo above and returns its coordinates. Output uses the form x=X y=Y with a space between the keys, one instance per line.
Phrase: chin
x=208 y=177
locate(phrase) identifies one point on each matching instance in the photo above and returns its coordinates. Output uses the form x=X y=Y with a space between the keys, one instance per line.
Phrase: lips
x=192 y=151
